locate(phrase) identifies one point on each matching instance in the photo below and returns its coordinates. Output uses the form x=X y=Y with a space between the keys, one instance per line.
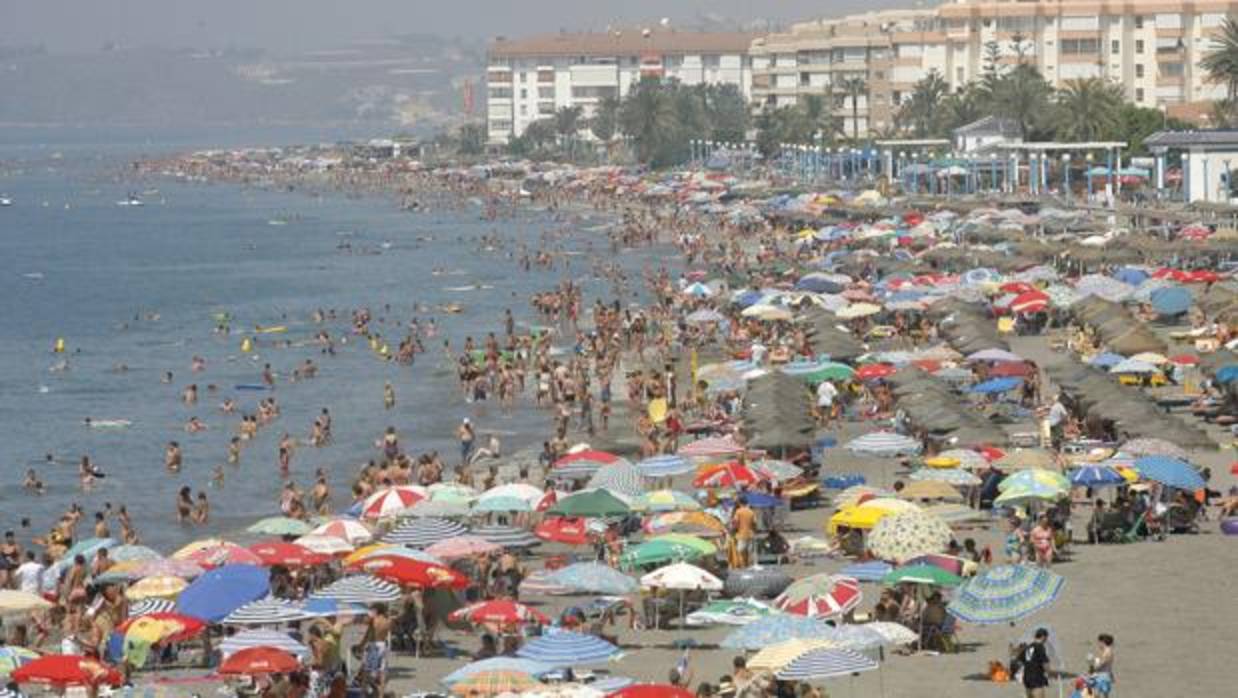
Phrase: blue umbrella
x=760 y=500
x=1106 y=360
x=221 y=591
x=1005 y=593
x=1227 y=374
x=1172 y=300
x=747 y=298
x=996 y=385
x=771 y=629
x=524 y=666
x=328 y=608
x=1096 y=476
x=664 y=466
x=1131 y=275
x=565 y=648
x=873 y=571
x=825 y=663
x=1169 y=471
x=593 y=577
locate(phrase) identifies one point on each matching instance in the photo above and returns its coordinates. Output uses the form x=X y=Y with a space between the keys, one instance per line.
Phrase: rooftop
x=1189 y=138
x=622 y=43
x=989 y=126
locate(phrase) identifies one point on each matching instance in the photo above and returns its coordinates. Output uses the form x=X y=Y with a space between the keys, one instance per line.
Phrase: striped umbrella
x=665 y=500
x=593 y=578
x=825 y=664
x=526 y=666
x=1096 y=476
x=147 y=606
x=621 y=477
x=325 y=545
x=390 y=549
x=495 y=682
x=350 y=530
x=712 y=446
x=1005 y=593
x=950 y=476
x=261 y=638
x=884 y=444
x=583 y=464
x=567 y=648
x=507 y=536
x=462 y=546
x=821 y=596
x=766 y=631
x=1169 y=471
x=778 y=655
x=359 y=588
x=666 y=465
x=159 y=587
x=873 y=571
x=501 y=612
x=268 y=611
x=422 y=533
x=393 y=501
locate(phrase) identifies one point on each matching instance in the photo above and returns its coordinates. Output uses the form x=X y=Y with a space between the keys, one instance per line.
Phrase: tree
x=817 y=120
x=963 y=107
x=855 y=87
x=1223 y=114
x=648 y=117
x=1024 y=97
x=727 y=112
x=1221 y=63
x=1088 y=109
x=923 y=111
x=1135 y=123
x=567 y=121
x=471 y=139
x=605 y=120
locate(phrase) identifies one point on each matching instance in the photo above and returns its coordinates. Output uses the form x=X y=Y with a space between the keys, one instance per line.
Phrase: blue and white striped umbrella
x=951 y=476
x=884 y=443
x=1096 y=476
x=621 y=477
x=359 y=588
x=825 y=663
x=524 y=666
x=147 y=606
x=268 y=611
x=262 y=638
x=330 y=608
x=873 y=571
x=507 y=536
x=1169 y=471
x=422 y=533
x=857 y=638
x=566 y=648
x=133 y=553
x=664 y=465
x=770 y=629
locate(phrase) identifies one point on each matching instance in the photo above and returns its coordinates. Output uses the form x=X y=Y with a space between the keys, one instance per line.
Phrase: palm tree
x=922 y=111
x=854 y=87
x=567 y=121
x=648 y=116
x=963 y=107
x=818 y=118
x=1023 y=96
x=605 y=120
x=1088 y=109
x=1222 y=62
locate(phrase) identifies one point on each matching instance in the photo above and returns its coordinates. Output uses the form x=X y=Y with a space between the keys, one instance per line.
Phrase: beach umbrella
x=1029 y=302
x=254 y=661
x=950 y=563
x=388 y=549
x=894 y=633
x=903 y=536
x=670 y=547
x=1171 y=300
x=63 y=670
x=776 y=470
x=1005 y=593
x=279 y=526
x=651 y=690
x=1034 y=476
x=590 y=503
x=1153 y=447
x=769 y=630
x=698 y=290
x=697 y=523
x=1106 y=360
x=1169 y=471
x=451 y=492
x=996 y=385
x=160 y=587
x=566 y=648
x=857 y=310
x=506 y=536
x=593 y=578
x=1023 y=493
x=666 y=465
x=857 y=494
x=923 y=574
x=317 y=607
x=525 y=666
x=14 y=602
x=517 y=496
x=1132 y=366
x=221 y=591
x=390 y=502
x=220 y=554
x=739 y=611
x=665 y=500
x=869 y=372
x=767 y=313
x=1096 y=476
x=422 y=533
x=411 y=573
x=950 y=476
x=133 y=553
x=1151 y=357
x=439 y=509
x=681 y=576
x=729 y=474
x=277 y=552
x=825 y=663
x=253 y=639
x=710 y=447
x=884 y=444
x=564 y=529
x=168 y=567
x=994 y=355
x=1022 y=458
x=495 y=682
x=869 y=513
x=462 y=546
x=149 y=606
x=13 y=657
x=587 y=460
x=359 y=588
x=776 y=656
x=821 y=596
x=349 y=530
x=502 y=612
x=266 y=611
x=871 y=571
x=325 y=545
x=621 y=478
x=966 y=457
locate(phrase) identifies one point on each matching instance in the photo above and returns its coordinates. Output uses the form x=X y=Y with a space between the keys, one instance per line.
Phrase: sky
x=87 y=25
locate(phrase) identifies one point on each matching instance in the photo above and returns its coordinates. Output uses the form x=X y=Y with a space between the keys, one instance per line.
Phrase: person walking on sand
x=1034 y=660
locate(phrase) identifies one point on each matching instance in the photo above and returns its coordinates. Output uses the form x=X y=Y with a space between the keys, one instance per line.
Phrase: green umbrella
x=695 y=542
x=922 y=574
x=829 y=372
x=596 y=502
x=668 y=548
x=280 y=526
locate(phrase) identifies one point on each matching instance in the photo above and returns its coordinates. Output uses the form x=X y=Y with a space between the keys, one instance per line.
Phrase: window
x=897 y=96
x=500 y=93
x=524 y=110
x=711 y=61
x=545 y=108
x=1138 y=70
x=500 y=125
x=1079 y=47
x=1168 y=44
x=601 y=92
x=545 y=93
x=1086 y=23
x=524 y=93
x=499 y=76
x=1115 y=47
x=805 y=79
x=1016 y=24
x=1139 y=21
x=1139 y=46
x=1169 y=21
x=545 y=76
x=1138 y=94
x=1172 y=70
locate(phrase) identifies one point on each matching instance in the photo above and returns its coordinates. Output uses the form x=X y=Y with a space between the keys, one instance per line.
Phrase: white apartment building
x=1151 y=47
x=530 y=79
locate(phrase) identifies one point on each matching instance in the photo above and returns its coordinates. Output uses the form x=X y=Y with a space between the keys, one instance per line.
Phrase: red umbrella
x=562 y=529
x=409 y=572
x=990 y=453
x=278 y=552
x=258 y=660
x=1184 y=359
x=1009 y=369
x=928 y=365
x=1202 y=276
x=1029 y=302
x=504 y=612
x=651 y=690
x=223 y=554
x=1017 y=287
x=600 y=457
x=727 y=474
x=67 y=670
x=869 y=372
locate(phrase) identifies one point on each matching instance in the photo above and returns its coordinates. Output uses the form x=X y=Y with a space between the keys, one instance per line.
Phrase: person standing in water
x=388 y=396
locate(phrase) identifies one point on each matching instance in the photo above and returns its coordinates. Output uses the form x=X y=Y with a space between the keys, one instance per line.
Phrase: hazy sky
x=75 y=25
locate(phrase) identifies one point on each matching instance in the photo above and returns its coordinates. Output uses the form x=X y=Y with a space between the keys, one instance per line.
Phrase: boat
x=131 y=200
x=5 y=201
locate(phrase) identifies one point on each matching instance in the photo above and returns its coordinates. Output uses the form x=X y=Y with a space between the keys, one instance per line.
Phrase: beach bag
x=998 y=672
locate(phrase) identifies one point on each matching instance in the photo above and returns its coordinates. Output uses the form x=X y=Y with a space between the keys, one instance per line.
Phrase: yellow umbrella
x=366 y=551
x=778 y=655
x=161 y=587
x=195 y=546
x=14 y=602
x=868 y=514
x=942 y=462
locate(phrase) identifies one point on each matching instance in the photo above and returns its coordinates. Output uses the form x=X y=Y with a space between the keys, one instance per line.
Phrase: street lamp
x=1066 y=172
x=1087 y=173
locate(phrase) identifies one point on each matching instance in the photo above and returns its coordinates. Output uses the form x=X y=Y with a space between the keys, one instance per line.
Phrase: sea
x=142 y=286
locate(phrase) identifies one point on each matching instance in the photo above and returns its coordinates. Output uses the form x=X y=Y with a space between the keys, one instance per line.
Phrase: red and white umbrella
x=462 y=546
x=223 y=554
x=713 y=446
x=411 y=573
x=869 y=372
x=391 y=502
x=1029 y=302
x=504 y=612
x=350 y=530
x=821 y=596
x=730 y=474
x=253 y=661
x=277 y=552
x=566 y=530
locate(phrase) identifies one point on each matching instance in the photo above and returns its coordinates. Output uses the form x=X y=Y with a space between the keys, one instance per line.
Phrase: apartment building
x=530 y=79
x=1151 y=47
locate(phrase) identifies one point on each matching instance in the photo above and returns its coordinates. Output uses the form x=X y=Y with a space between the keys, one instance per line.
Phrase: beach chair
x=1133 y=534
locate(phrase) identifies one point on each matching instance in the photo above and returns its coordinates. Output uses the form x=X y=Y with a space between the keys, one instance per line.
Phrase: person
x=466 y=435
x=29 y=575
x=680 y=675
x=388 y=396
x=374 y=648
x=32 y=482
x=202 y=510
x=743 y=524
x=1042 y=541
x=1034 y=660
x=1101 y=665
x=1057 y=419
x=184 y=504
x=172 y=456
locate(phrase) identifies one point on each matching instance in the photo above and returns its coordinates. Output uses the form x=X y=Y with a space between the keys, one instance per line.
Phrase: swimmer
x=388 y=396
x=194 y=425
x=217 y=477
x=234 y=451
x=172 y=457
x=167 y=377
x=32 y=482
x=190 y=395
x=198 y=364
x=228 y=406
